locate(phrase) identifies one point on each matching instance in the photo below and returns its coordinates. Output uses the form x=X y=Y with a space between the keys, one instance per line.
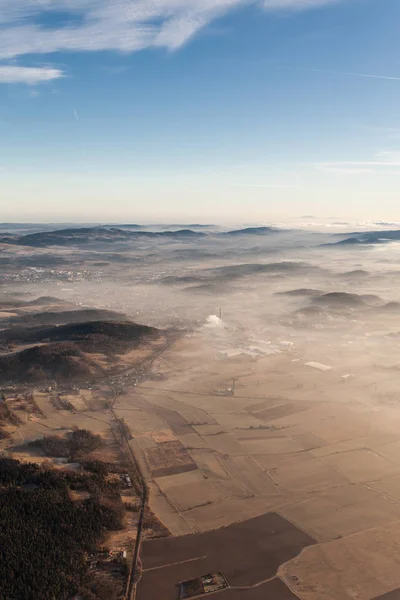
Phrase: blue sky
x=199 y=109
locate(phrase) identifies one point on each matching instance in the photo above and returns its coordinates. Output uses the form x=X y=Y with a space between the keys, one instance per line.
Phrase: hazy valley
x=207 y=388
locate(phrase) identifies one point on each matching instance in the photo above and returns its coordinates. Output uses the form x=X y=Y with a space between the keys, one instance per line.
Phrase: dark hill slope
x=234 y=272
x=54 y=361
x=41 y=301
x=119 y=331
x=68 y=351
x=391 y=308
x=61 y=317
x=300 y=292
x=368 y=237
x=252 y=231
x=346 y=300
x=340 y=300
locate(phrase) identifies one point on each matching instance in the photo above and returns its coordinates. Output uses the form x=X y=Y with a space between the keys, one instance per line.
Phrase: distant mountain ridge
x=252 y=231
x=367 y=238
x=85 y=235
x=111 y=234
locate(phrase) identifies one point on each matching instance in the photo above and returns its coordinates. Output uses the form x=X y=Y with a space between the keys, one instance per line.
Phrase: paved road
x=146 y=365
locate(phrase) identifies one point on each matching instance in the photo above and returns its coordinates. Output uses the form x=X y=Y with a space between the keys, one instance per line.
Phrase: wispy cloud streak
x=124 y=25
x=384 y=162
x=28 y=75
x=296 y=4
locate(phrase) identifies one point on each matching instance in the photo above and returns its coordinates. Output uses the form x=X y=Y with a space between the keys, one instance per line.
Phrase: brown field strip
x=169 y=458
x=248 y=553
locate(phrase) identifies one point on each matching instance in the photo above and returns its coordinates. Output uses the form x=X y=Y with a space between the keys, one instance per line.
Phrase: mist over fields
x=167 y=275
x=332 y=299
x=253 y=373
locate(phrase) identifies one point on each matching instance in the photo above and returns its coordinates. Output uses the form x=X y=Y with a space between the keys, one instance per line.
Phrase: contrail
x=366 y=75
x=76 y=114
x=373 y=76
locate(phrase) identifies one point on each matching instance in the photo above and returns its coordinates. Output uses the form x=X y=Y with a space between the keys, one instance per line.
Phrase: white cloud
x=296 y=4
x=384 y=162
x=29 y=75
x=123 y=25
x=339 y=169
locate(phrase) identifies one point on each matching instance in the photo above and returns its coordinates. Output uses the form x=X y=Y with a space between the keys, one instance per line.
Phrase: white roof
x=319 y=366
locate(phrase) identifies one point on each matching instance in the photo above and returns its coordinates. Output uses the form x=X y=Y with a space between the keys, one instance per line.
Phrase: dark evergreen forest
x=44 y=534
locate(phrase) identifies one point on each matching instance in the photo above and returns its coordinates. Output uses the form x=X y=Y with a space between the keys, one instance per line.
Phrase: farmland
x=248 y=554
x=235 y=449
x=283 y=443
x=242 y=430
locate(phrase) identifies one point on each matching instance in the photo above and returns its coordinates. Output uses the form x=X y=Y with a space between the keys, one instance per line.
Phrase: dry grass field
x=363 y=566
x=312 y=446
x=224 y=443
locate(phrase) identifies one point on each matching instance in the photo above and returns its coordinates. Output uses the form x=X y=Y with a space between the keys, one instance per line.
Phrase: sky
x=206 y=110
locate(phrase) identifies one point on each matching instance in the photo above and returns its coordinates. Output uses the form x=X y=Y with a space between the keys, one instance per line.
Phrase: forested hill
x=119 y=331
x=73 y=351
x=45 y=535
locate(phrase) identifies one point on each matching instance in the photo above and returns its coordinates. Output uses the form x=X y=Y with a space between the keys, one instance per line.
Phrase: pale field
x=283 y=409
x=342 y=511
x=360 y=566
x=319 y=449
x=247 y=472
x=390 y=487
x=224 y=444
x=192 y=441
x=140 y=422
x=269 y=462
x=211 y=429
x=362 y=465
x=391 y=451
x=170 y=481
x=145 y=441
x=209 y=464
x=192 y=414
x=238 y=421
x=216 y=405
x=275 y=445
x=304 y=474
x=227 y=511
x=45 y=404
x=322 y=451
x=177 y=523
x=51 y=422
x=163 y=435
x=204 y=492
x=173 y=402
x=77 y=402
